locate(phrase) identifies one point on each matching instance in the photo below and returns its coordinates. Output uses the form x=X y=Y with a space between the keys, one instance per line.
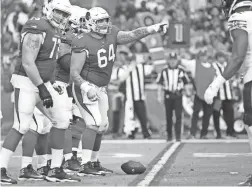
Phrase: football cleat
x=99 y=167
x=6 y=178
x=72 y=165
x=43 y=170
x=30 y=174
x=88 y=169
x=58 y=175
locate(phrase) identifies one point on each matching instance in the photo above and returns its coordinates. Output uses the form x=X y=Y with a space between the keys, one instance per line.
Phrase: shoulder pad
x=79 y=44
x=238 y=21
x=36 y=25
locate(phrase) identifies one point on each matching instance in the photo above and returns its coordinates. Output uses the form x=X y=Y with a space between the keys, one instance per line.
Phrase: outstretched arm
x=125 y=37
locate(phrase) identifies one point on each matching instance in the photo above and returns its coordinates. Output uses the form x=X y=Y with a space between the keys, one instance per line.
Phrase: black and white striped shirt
x=173 y=80
x=225 y=92
x=135 y=86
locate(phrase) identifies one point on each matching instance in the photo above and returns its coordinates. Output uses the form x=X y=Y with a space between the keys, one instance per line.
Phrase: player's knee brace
x=247 y=119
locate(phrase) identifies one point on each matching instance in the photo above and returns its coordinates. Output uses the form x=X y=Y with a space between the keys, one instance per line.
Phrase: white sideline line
x=216 y=141
x=220 y=155
x=156 y=168
x=183 y=141
x=157 y=141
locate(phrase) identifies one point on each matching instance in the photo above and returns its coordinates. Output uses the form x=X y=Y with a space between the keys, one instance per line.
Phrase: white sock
x=5 y=157
x=94 y=156
x=57 y=157
x=42 y=161
x=86 y=156
x=68 y=156
x=26 y=161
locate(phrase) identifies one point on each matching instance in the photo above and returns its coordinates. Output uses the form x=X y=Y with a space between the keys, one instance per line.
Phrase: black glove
x=45 y=96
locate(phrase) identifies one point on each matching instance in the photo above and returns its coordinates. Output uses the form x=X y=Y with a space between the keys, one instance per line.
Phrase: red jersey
x=47 y=56
x=101 y=54
x=63 y=63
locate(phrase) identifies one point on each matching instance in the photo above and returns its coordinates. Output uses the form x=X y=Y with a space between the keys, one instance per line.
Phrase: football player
x=39 y=130
x=239 y=15
x=40 y=38
x=61 y=83
x=93 y=56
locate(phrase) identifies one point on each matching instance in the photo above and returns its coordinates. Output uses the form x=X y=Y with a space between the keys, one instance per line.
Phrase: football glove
x=160 y=27
x=45 y=96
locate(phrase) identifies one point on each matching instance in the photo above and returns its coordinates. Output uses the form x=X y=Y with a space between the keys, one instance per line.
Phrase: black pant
x=140 y=111
x=173 y=102
x=247 y=102
x=228 y=114
x=207 y=112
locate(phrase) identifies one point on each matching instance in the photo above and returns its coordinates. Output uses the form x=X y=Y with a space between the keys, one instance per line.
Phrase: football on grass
x=132 y=167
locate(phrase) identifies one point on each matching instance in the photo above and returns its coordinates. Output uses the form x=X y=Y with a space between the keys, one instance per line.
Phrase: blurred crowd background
x=206 y=29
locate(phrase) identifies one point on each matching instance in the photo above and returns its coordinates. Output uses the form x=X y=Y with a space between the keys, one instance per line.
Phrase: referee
x=135 y=106
x=173 y=78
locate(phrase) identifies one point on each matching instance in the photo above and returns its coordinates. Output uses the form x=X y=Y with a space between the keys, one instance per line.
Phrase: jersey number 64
x=104 y=58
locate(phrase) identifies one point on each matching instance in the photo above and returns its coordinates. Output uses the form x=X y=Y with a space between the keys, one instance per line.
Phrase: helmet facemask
x=82 y=25
x=59 y=18
x=103 y=26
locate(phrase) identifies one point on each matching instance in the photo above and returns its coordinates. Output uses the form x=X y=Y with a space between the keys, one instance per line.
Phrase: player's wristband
x=85 y=86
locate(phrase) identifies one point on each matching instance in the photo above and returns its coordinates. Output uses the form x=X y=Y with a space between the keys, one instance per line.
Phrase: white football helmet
x=77 y=19
x=58 y=12
x=98 y=20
